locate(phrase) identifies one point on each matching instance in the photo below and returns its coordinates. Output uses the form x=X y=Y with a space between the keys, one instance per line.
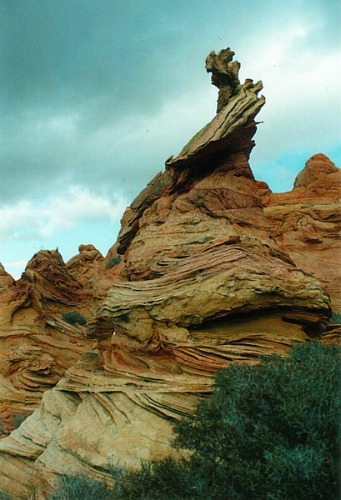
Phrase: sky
x=95 y=95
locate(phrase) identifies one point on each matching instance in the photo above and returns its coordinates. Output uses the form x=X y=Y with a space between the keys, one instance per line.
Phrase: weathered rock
x=87 y=268
x=195 y=282
x=6 y=281
x=319 y=176
x=224 y=144
x=306 y=222
x=119 y=407
x=36 y=344
x=224 y=74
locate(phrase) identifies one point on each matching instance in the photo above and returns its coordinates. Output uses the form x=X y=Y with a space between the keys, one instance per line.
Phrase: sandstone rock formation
x=195 y=282
x=36 y=344
x=224 y=75
x=306 y=222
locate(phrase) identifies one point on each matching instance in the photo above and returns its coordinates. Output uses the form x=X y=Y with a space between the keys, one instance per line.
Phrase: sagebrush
x=74 y=318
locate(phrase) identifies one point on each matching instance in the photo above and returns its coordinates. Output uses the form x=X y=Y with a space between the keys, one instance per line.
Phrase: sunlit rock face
x=306 y=222
x=195 y=282
x=36 y=344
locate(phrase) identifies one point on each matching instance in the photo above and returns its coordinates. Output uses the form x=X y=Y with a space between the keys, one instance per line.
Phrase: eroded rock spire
x=224 y=74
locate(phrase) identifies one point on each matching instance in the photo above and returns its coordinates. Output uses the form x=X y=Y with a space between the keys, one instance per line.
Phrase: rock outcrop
x=306 y=222
x=37 y=345
x=197 y=280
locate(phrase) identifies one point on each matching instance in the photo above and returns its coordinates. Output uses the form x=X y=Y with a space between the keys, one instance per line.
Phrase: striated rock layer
x=36 y=344
x=196 y=281
x=306 y=222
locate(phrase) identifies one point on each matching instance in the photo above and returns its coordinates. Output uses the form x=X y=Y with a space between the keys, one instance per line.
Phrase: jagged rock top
x=196 y=243
x=307 y=221
x=6 y=280
x=225 y=75
x=237 y=107
x=319 y=183
x=316 y=168
x=229 y=133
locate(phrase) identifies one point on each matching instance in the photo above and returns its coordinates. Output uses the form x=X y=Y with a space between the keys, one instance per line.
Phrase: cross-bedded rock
x=306 y=222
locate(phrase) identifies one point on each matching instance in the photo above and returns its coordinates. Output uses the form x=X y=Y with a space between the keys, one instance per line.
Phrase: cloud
x=301 y=84
x=15 y=268
x=28 y=220
x=82 y=81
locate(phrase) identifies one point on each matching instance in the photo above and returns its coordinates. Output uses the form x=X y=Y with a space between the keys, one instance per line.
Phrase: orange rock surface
x=306 y=222
x=36 y=344
x=201 y=276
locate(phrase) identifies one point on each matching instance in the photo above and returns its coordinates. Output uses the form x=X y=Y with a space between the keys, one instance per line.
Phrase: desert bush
x=269 y=431
x=335 y=318
x=166 y=480
x=79 y=487
x=74 y=318
x=113 y=262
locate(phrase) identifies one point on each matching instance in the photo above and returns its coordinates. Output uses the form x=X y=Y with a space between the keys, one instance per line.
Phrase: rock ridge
x=306 y=222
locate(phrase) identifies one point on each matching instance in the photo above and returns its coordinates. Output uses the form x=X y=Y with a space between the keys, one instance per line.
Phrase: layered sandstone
x=306 y=222
x=196 y=281
x=36 y=344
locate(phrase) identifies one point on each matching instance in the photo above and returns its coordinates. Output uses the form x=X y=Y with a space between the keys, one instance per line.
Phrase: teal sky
x=95 y=95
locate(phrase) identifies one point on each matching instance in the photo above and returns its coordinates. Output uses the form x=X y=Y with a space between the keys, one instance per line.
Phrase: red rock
x=6 y=281
x=36 y=345
x=306 y=222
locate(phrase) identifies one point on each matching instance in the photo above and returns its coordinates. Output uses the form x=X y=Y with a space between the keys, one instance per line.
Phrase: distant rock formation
x=306 y=222
x=37 y=345
x=199 y=278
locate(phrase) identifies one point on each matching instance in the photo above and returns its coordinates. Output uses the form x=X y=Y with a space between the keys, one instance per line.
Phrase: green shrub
x=80 y=488
x=113 y=262
x=166 y=480
x=19 y=419
x=74 y=318
x=91 y=356
x=269 y=431
x=5 y=496
x=335 y=318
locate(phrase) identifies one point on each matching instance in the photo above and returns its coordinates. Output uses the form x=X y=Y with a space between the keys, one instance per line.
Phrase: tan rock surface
x=194 y=283
x=306 y=222
x=36 y=345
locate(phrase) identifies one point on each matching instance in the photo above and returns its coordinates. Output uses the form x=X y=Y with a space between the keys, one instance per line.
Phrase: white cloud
x=28 y=219
x=55 y=125
x=301 y=84
x=15 y=268
x=295 y=71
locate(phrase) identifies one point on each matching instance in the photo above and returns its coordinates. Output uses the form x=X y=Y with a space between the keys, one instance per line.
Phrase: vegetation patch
x=80 y=488
x=19 y=419
x=74 y=318
x=335 y=318
x=113 y=262
x=91 y=356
